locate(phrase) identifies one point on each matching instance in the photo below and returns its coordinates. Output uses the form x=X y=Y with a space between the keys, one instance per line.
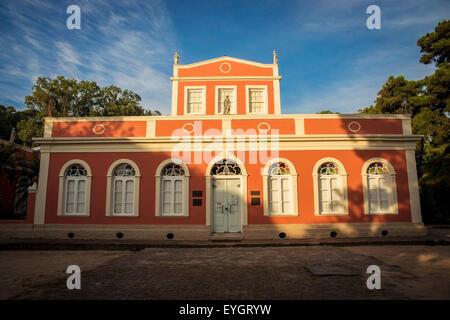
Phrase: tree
x=436 y=45
x=61 y=97
x=428 y=102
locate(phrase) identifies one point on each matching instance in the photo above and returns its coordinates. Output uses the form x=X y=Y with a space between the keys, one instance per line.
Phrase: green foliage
x=436 y=45
x=327 y=112
x=428 y=102
x=61 y=97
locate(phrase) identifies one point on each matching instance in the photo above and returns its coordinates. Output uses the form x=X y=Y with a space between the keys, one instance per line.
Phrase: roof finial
x=275 y=57
x=176 y=58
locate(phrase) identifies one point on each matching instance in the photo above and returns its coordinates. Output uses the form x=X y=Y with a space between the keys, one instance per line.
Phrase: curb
x=136 y=246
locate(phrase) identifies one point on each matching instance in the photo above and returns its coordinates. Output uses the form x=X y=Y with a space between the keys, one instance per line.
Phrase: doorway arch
x=210 y=176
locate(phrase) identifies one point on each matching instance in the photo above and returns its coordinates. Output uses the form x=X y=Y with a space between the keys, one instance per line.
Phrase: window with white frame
x=123 y=189
x=75 y=190
x=172 y=190
x=222 y=95
x=280 y=189
x=256 y=100
x=194 y=100
x=331 y=189
x=380 y=188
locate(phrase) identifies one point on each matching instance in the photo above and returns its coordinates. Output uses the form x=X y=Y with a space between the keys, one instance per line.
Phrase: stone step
x=234 y=236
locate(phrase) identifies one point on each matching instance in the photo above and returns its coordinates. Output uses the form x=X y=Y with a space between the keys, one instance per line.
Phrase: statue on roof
x=176 y=58
x=275 y=57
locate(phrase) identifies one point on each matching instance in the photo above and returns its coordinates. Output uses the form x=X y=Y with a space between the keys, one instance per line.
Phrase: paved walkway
x=315 y=272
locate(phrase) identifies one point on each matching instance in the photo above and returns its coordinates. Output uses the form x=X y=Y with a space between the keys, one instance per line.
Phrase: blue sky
x=328 y=58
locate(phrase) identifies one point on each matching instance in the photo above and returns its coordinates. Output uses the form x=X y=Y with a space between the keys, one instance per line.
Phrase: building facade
x=226 y=161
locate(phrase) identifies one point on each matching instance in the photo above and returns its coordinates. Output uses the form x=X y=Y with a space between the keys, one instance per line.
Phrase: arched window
x=380 y=195
x=74 y=189
x=172 y=180
x=123 y=189
x=330 y=187
x=172 y=189
x=226 y=168
x=123 y=193
x=280 y=188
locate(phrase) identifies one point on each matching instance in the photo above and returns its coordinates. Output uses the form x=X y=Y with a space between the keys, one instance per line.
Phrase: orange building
x=227 y=162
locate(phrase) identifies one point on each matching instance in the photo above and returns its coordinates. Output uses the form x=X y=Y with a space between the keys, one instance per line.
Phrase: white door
x=226 y=205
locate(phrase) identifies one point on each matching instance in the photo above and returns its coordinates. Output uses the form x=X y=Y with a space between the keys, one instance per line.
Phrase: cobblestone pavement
x=243 y=273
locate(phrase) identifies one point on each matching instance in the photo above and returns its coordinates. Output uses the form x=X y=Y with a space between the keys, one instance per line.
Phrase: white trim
x=240 y=116
x=233 y=109
x=276 y=97
x=393 y=201
x=343 y=174
x=209 y=179
x=226 y=78
x=109 y=188
x=41 y=196
x=62 y=189
x=186 y=88
x=414 y=197
x=300 y=127
x=223 y=58
x=174 y=110
x=48 y=126
x=294 y=177
x=158 y=187
x=406 y=125
x=265 y=96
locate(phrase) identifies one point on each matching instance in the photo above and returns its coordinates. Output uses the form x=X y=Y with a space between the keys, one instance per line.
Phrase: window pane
x=336 y=206
x=194 y=100
x=81 y=185
x=167 y=185
x=71 y=185
x=70 y=196
x=80 y=207
x=69 y=207
x=167 y=207
x=129 y=208
x=286 y=207
x=275 y=207
x=324 y=206
x=118 y=186
x=177 y=196
x=178 y=184
x=118 y=208
x=178 y=207
x=256 y=97
x=336 y=192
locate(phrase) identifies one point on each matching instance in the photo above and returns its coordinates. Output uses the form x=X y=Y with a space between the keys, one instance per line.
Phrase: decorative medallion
x=263 y=127
x=98 y=129
x=354 y=126
x=188 y=127
x=225 y=67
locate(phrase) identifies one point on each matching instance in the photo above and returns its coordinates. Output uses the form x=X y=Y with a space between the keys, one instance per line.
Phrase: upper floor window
x=195 y=100
x=225 y=100
x=380 y=195
x=74 y=188
x=330 y=187
x=257 y=100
